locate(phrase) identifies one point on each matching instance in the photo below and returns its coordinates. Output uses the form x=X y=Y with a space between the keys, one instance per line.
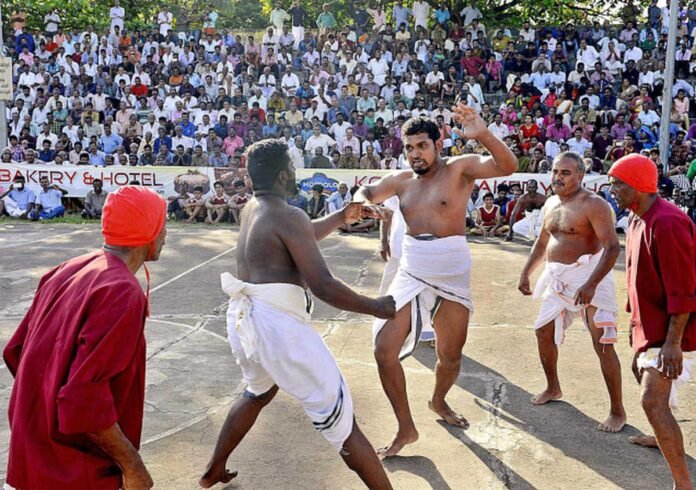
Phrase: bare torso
x=569 y=225
x=531 y=201
x=436 y=204
x=262 y=257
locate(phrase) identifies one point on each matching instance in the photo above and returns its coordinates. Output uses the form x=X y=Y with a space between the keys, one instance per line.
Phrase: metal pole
x=3 y=111
x=669 y=82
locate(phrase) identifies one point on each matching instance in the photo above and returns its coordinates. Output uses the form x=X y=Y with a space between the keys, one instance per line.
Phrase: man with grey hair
x=580 y=245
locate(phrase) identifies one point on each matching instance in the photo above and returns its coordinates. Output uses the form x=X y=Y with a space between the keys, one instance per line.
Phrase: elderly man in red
x=661 y=273
x=78 y=359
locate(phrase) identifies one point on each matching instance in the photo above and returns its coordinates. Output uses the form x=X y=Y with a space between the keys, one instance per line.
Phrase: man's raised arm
x=500 y=163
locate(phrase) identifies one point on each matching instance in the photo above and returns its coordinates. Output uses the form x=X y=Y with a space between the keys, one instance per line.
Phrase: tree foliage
x=253 y=14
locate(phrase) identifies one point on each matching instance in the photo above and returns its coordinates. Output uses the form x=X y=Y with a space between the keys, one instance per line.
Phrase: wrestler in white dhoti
x=268 y=318
x=532 y=202
x=432 y=282
x=580 y=246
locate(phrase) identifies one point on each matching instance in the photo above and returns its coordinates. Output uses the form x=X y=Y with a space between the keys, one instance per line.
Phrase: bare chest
x=561 y=219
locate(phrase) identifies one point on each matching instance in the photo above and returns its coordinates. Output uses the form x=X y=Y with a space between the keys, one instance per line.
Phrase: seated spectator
x=316 y=206
x=94 y=201
x=49 y=202
x=239 y=200
x=194 y=205
x=18 y=200
x=217 y=204
x=489 y=221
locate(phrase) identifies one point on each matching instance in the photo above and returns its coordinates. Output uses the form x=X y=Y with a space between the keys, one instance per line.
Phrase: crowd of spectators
x=339 y=94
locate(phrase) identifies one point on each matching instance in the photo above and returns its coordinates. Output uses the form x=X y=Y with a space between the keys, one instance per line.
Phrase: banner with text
x=168 y=181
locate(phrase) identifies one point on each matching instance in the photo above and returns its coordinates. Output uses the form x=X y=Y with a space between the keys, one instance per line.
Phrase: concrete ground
x=192 y=378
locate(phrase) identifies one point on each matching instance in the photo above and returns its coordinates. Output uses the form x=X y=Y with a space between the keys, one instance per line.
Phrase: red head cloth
x=637 y=171
x=133 y=216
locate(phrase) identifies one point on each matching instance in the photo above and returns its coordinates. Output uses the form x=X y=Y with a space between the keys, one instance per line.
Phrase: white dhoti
x=557 y=287
x=431 y=269
x=651 y=359
x=397 y=231
x=269 y=332
x=530 y=225
x=298 y=34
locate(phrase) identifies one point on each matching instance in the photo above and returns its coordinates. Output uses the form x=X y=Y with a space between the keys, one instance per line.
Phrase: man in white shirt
x=421 y=12
x=578 y=144
x=587 y=54
x=290 y=82
x=267 y=83
x=647 y=116
x=498 y=128
x=296 y=153
x=527 y=33
x=319 y=140
x=180 y=139
x=383 y=112
x=633 y=52
x=339 y=128
x=117 y=14
x=409 y=88
x=164 y=19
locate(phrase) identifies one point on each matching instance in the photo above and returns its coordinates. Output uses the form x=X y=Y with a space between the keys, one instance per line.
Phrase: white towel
x=429 y=269
x=274 y=344
x=557 y=287
x=651 y=359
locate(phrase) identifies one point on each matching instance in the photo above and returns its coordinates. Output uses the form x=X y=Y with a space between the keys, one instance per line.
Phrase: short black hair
x=198 y=188
x=265 y=160
x=488 y=194
x=418 y=125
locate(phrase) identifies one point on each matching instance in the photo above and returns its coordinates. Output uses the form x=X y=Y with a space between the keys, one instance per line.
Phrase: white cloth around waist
x=557 y=287
x=289 y=298
x=651 y=359
x=429 y=269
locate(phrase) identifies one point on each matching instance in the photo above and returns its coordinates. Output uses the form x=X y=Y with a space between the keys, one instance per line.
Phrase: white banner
x=78 y=179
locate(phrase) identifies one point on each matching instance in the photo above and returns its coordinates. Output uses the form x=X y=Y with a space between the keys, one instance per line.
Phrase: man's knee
x=385 y=355
x=450 y=361
x=653 y=403
x=545 y=334
x=263 y=399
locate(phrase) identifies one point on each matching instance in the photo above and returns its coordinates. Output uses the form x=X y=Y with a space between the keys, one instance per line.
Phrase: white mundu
x=430 y=269
x=557 y=286
x=274 y=344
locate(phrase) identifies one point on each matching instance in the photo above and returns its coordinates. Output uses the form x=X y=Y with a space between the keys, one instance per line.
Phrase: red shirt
x=661 y=274
x=78 y=359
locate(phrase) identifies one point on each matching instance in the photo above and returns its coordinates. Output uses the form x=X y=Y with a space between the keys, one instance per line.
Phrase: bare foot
x=216 y=475
x=547 y=396
x=643 y=440
x=614 y=423
x=401 y=440
x=449 y=415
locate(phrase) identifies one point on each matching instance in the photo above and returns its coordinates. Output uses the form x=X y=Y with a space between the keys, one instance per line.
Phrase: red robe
x=661 y=274
x=78 y=359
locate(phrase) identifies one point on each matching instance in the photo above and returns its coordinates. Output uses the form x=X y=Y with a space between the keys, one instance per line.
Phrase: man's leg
x=548 y=353
x=388 y=344
x=611 y=370
x=360 y=457
x=239 y=420
x=654 y=398
x=451 y=324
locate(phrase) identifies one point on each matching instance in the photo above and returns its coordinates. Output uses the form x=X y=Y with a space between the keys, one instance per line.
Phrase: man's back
x=262 y=255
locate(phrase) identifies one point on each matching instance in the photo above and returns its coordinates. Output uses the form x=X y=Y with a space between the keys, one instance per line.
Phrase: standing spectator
x=117 y=14
x=326 y=20
x=421 y=12
x=278 y=17
x=298 y=20
x=164 y=20
x=471 y=13
x=52 y=22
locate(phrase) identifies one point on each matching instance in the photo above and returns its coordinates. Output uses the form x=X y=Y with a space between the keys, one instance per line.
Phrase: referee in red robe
x=661 y=274
x=78 y=359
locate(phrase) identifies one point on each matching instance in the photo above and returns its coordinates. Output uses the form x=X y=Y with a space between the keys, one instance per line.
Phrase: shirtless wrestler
x=278 y=257
x=529 y=202
x=435 y=261
x=580 y=246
